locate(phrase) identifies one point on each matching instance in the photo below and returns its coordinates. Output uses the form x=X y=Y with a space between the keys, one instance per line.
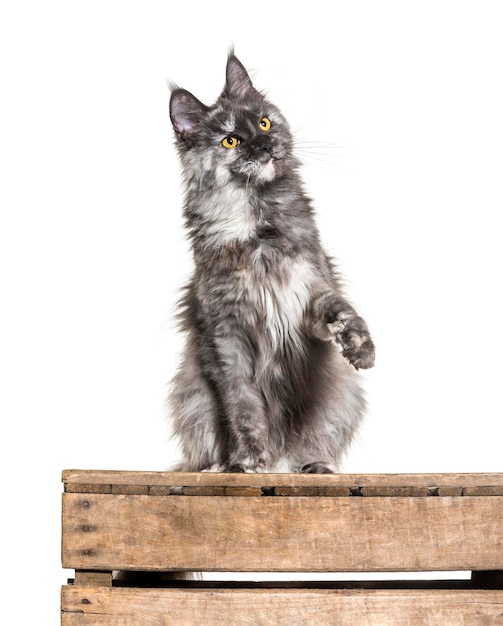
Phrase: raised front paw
x=352 y=335
x=333 y=319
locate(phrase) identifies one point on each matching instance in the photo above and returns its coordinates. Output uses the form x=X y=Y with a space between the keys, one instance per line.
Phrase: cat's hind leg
x=194 y=414
x=331 y=420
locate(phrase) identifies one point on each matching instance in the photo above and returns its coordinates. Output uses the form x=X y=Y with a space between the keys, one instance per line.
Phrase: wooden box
x=147 y=524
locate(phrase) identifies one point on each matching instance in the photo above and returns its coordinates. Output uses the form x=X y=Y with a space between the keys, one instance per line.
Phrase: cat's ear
x=186 y=112
x=238 y=82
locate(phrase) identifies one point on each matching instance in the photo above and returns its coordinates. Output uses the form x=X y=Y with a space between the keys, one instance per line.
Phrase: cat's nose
x=263 y=146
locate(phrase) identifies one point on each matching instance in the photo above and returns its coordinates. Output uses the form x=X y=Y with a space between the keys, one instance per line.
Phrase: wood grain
x=72 y=478
x=234 y=533
x=280 y=607
x=90 y=578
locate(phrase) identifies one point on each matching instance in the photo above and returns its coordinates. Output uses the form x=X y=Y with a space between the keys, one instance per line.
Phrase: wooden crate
x=149 y=523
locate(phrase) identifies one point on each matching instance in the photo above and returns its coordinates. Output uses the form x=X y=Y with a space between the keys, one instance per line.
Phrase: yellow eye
x=265 y=124
x=230 y=142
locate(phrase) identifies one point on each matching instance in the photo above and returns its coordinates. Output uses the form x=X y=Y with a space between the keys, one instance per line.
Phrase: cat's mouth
x=260 y=170
x=268 y=170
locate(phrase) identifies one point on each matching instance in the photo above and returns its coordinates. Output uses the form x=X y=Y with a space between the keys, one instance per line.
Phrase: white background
x=402 y=106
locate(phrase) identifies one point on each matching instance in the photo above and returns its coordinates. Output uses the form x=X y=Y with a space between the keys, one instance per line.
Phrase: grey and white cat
x=268 y=380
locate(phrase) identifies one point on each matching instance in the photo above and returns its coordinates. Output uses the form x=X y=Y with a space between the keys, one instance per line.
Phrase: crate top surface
x=106 y=481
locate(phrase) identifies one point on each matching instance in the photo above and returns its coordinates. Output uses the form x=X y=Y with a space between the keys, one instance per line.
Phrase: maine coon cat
x=268 y=380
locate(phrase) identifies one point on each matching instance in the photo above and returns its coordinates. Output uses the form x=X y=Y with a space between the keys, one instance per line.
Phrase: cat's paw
x=239 y=468
x=317 y=468
x=335 y=320
x=216 y=467
x=247 y=466
x=352 y=335
x=358 y=349
x=250 y=460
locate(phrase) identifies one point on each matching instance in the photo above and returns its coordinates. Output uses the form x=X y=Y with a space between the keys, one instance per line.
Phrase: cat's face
x=242 y=138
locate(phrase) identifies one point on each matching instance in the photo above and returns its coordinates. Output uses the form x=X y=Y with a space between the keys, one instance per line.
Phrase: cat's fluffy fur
x=268 y=379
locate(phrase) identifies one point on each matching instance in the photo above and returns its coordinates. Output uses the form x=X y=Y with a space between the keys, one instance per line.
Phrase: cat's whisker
x=327 y=144
x=321 y=153
x=321 y=145
x=317 y=161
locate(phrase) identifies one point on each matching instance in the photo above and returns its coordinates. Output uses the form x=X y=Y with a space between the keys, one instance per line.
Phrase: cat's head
x=241 y=138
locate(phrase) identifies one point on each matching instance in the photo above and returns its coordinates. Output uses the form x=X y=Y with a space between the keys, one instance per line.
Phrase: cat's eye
x=230 y=142
x=265 y=124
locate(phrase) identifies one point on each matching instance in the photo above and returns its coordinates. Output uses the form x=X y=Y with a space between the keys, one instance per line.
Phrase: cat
x=268 y=380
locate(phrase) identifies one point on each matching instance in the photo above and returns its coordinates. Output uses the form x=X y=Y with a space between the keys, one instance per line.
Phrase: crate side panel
x=316 y=534
x=281 y=607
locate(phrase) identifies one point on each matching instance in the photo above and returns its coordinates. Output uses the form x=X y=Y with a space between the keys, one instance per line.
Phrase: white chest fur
x=282 y=297
x=231 y=218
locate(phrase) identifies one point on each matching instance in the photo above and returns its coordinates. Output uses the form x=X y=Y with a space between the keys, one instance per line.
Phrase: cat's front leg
x=247 y=435
x=241 y=402
x=247 y=429
x=333 y=318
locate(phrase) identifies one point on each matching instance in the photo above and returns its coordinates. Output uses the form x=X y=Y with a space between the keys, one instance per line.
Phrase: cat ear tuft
x=238 y=82
x=186 y=112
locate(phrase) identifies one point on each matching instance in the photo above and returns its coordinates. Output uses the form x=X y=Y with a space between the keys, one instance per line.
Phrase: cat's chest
x=276 y=295
x=229 y=217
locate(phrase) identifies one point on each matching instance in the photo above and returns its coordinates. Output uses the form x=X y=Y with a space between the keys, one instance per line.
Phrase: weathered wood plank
x=88 y=488
x=280 y=607
x=195 y=484
x=446 y=490
x=484 y=490
x=92 y=578
x=313 y=491
x=225 y=533
x=109 y=477
x=208 y=490
x=133 y=490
